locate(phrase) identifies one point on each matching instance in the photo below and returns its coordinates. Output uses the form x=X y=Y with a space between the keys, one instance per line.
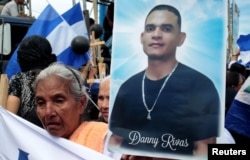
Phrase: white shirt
x=226 y=137
x=10 y=9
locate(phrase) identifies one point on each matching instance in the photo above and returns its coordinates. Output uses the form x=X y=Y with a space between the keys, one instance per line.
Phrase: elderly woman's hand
x=131 y=157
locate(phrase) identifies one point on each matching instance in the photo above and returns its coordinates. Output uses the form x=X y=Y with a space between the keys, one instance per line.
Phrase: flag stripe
x=80 y=28
x=68 y=58
x=48 y=16
x=71 y=17
x=58 y=41
x=243 y=42
x=77 y=23
x=245 y=57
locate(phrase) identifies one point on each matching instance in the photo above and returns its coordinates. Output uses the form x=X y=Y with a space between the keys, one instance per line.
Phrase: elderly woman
x=61 y=99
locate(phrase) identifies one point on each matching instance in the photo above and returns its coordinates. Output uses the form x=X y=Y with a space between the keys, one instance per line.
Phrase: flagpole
x=95 y=11
x=86 y=16
x=84 y=4
x=30 y=9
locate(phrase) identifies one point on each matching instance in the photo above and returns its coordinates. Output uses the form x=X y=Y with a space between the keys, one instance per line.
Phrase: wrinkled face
x=57 y=107
x=161 y=35
x=103 y=99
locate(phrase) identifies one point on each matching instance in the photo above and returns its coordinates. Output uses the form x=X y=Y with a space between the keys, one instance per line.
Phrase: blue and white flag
x=244 y=45
x=60 y=30
x=22 y=140
x=74 y=18
x=237 y=118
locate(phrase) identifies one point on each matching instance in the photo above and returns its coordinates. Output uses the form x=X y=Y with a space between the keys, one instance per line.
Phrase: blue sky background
x=244 y=16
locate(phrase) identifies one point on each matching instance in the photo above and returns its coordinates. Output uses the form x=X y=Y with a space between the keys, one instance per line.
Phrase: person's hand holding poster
x=167 y=60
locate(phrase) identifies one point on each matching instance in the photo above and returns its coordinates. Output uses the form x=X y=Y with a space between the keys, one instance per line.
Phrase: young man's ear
x=141 y=38
x=182 y=37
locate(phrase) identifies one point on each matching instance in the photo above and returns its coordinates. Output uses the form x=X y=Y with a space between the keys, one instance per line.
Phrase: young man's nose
x=157 y=31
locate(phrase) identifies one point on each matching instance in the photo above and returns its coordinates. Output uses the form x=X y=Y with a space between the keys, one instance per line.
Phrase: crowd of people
x=236 y=113
x=53 y=96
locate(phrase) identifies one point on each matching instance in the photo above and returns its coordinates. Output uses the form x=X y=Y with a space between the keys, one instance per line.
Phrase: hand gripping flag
x=60 y=31
x=22 y=140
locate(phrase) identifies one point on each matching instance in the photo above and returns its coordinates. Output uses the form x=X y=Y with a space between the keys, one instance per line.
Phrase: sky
x=244 y=19
x=60 y=6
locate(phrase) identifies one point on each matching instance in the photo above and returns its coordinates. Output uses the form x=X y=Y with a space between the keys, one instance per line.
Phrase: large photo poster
x=167 y=77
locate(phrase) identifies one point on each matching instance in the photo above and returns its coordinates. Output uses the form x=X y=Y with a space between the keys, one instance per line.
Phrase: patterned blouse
x=20 y=86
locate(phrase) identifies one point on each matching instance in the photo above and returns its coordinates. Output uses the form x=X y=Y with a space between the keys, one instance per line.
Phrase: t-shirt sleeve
x=15 y=86
x=209 y=112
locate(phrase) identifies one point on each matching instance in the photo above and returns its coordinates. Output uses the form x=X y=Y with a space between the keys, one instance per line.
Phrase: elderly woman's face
x=57 y=107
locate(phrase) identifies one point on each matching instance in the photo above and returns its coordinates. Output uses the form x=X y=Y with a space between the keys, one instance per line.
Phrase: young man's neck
x=158 y=69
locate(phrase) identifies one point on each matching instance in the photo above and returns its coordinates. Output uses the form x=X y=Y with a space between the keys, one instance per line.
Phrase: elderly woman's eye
x=39 y=102
x=59 y=100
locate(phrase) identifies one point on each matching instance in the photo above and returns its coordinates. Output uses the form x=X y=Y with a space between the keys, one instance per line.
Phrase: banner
x=60 y=31
x=21 y=140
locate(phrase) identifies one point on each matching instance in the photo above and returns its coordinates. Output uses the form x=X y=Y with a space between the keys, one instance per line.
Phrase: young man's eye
x=163 y=28
x=150 y=28
x=166 y=28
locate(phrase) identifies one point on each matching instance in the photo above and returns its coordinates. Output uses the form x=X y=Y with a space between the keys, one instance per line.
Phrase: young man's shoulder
x=192 y=73
x=134 y=79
